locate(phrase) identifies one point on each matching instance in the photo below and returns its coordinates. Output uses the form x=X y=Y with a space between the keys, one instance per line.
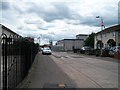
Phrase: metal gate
x=17 y=56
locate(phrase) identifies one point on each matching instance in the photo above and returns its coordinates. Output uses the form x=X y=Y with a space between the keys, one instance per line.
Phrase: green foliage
x=90 y=40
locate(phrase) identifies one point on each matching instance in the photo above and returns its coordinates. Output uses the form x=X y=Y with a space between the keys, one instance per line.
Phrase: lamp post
x=39 y=38
x=102 y=25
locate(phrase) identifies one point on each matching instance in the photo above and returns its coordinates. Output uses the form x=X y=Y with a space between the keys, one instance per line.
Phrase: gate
x=17 y=56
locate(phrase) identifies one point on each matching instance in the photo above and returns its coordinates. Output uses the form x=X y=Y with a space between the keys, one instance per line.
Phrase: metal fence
x=18 y=54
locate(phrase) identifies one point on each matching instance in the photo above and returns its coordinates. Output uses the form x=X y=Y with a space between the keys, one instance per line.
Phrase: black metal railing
x=18 y=54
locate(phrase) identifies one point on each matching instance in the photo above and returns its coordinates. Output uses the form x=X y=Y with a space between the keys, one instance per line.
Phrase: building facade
x=82 y=36
x=108 y=37
x=70 y=44
x=0 y=29
x=7 y=31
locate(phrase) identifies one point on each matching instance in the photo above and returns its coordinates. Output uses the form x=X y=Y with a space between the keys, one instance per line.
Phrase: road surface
x=47 y=72
x=76 y=70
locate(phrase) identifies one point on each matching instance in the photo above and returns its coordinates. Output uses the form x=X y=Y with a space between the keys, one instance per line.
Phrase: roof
x=73 y=39
x=4 y=27
x=82 y=35
x=110 y=29
x=70 y=39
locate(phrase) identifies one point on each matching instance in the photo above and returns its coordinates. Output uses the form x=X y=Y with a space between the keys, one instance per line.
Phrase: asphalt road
x=88 y=72
x=47 y=74
x=77 y=71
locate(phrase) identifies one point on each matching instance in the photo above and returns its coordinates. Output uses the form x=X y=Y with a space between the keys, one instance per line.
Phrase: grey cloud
x=56 y=37
x=17 y=9
x=45 y=27
x=73 y=22
x=52 y=36
x=5 y=5
x=111 y=21
x=20 y=27
x=28 y=33
x=32 y=21
x=108 y=13
x=42 y=28
x=61 y=11
x=92 y=21
x=48 y=36
x=52 y=33
x=31 y=35
x=20 y=9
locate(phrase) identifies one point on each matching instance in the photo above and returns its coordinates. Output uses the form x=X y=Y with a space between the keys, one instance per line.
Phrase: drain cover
x=61 y=85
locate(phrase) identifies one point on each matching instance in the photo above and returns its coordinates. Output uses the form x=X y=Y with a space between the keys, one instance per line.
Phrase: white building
x=82 y=36
x=70 y=44
x=7 y=31
x=0 y=29
x=108 y=37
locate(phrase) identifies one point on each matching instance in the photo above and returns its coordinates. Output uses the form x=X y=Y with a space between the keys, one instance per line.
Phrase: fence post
x=17 y=58
x=4 y=52
x=0 y=58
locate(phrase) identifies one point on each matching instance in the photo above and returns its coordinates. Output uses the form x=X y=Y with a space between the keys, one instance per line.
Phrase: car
x=86 y=48
x=83 y=49
x=111 y=53
x=104 y=51
x=46 y=50
x=40 y=49
x=113 y=50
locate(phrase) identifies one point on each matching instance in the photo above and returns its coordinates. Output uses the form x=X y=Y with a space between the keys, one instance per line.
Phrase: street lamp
x=102 y=25
x=39 y=38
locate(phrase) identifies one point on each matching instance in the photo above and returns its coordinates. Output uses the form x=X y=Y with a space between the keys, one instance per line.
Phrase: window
x=105 y=35
x=119 y=33
x=113 y=34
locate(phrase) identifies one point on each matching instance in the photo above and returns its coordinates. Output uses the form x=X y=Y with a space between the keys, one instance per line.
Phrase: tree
x=90 y=40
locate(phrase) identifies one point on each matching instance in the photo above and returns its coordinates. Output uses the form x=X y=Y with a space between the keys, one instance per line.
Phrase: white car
x=46 y=50
x=113 y=50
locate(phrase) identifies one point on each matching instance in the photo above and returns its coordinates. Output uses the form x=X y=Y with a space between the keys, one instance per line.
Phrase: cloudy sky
x=57 y=19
